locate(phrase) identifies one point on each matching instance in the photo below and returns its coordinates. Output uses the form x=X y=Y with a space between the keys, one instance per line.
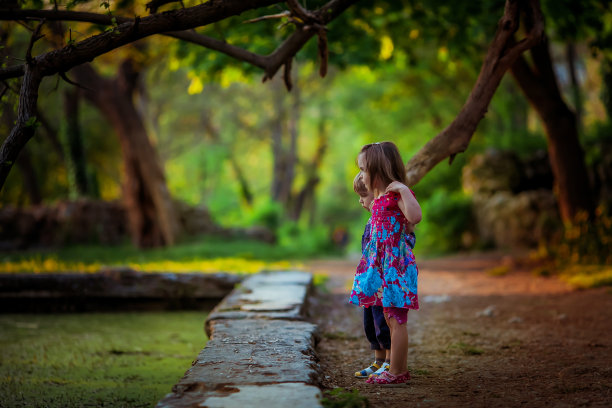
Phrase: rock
x=515 y=221
x=490 y=311
x=492 y=172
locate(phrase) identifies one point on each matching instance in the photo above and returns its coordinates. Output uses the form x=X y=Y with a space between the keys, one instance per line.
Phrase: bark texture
x=151 y=216
x=538 y=83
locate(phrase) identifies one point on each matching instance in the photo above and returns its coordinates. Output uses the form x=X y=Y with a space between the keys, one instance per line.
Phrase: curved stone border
x=260 y=352
x=22 y=292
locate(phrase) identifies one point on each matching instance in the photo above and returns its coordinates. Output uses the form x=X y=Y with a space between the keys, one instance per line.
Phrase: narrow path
x=478 y=340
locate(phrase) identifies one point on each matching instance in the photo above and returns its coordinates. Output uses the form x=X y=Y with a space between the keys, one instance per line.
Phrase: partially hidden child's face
x=366 y=201
x=365 y=176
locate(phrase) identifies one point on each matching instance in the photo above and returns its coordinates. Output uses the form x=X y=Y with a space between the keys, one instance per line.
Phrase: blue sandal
x=384 y=367
x=365 y=373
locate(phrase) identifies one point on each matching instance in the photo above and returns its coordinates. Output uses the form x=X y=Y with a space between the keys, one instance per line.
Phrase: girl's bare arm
x=408 y=204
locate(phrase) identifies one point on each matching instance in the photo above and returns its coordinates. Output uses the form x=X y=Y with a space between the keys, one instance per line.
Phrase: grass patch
x=422 y=372
x=208 y=254
x=339 y=335
x=95 y=359
x=341 y=398
x=467 y=349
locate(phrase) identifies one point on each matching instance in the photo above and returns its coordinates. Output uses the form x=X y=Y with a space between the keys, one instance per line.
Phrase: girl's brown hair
x=383 y=162
x=359 y=186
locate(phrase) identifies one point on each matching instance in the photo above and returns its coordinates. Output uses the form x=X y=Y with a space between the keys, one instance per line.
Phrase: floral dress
x=387 y=273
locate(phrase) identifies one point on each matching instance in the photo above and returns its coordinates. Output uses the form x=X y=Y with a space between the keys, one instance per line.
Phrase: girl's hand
x=397 y=187
x=408 y=204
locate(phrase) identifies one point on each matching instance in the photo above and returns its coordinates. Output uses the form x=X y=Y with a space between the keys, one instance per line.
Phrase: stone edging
x=50 y=292
x=261 y=352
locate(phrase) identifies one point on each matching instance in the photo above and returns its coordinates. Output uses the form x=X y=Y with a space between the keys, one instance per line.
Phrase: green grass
x=95 y=359
x=341 y=398
x=467 y=349
x=208 y=254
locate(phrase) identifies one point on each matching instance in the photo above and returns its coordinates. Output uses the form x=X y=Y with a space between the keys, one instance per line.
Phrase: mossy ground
x=95 y=359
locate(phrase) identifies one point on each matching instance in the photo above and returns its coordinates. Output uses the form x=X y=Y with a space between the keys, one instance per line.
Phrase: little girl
x=387 y=273
x=375 y=326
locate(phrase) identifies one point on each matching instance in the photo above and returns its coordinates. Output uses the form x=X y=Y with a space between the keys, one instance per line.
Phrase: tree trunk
x=570 y=52
x=213 y=133
x=152 y=219
x=539 y=84
x=30 y=181
x=285 y=125
x=307 y=194
x=78 y=166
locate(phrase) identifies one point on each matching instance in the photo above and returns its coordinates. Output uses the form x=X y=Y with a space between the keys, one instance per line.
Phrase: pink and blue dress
x=387 y=273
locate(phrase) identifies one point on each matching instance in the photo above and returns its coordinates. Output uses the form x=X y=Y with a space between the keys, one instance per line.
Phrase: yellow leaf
x=196 y=86
x=386 y=48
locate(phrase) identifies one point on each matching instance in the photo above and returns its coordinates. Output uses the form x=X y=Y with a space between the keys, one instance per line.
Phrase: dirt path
x=478 y=340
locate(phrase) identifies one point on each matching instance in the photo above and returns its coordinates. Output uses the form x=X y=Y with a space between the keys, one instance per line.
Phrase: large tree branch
x=270 y=64
x=502 y=53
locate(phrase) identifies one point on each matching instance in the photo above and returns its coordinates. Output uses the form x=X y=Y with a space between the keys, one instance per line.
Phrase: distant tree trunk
x=74 y=141
x=51 y=134
x=570 y=53
x=307 y=193
x=213 y=133
x=279 y=192
x=152 y=219
x=284 y=153
x=539 y=84
x=606 y=89
x=30 y=181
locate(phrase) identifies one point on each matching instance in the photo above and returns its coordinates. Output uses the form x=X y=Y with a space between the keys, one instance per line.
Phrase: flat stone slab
x=294 y=395
x=270 y=295
x=261 y=352
x=255 y=351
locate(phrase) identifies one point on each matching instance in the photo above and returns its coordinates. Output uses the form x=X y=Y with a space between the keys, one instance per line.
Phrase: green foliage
x=580 y=251
x=341 y=398
x=299 y=238
x=268 y=213
x=95 y=359
x=587 y=241
x=446 y=216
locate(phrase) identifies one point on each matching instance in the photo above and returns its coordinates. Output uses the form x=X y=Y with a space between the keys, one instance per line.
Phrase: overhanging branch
x=502 y=53
x=270 y=64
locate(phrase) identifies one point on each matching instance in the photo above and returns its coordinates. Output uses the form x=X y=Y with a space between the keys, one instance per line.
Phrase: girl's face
x=366 y=201
x=365 y=176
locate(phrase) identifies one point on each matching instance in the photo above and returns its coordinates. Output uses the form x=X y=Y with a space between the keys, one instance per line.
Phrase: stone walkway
x=261 y=350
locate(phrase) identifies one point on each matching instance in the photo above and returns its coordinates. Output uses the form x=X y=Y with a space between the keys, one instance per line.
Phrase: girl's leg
x=399 y=346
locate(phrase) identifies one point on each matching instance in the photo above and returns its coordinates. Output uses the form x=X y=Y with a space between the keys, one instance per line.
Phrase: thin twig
x=285 y=13
x=71 y=82
x=35 y=37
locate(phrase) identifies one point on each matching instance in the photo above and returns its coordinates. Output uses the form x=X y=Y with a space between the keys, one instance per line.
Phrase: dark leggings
x=376 y=329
